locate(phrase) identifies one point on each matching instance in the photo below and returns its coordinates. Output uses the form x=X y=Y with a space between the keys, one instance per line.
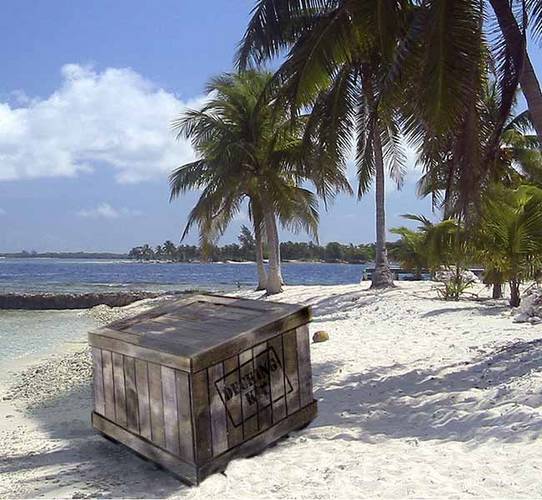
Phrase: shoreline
x=417 y=397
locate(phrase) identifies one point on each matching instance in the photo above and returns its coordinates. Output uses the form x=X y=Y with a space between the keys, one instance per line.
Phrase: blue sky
x=86 y=96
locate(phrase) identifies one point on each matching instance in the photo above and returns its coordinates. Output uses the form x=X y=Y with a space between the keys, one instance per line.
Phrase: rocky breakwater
x=36 y=301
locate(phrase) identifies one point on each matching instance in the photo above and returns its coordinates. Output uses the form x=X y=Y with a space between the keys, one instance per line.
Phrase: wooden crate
x=201 y=380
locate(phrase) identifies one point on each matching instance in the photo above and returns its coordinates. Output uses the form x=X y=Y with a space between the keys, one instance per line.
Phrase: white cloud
x=2 y=212
x=106 y=211
x=115 y=117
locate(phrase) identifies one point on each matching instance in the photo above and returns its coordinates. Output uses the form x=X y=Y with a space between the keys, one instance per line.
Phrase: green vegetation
x=358 y=81
x=245 y=251
x=252 y=151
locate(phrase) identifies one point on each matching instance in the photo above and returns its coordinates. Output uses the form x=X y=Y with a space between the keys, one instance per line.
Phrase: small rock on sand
x=320 y=336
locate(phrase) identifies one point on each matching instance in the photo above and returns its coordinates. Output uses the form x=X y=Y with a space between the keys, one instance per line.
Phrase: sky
x=87 y=94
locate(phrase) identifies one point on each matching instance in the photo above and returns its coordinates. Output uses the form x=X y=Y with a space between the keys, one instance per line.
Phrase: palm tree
x=250 y=150
x=410 y=251
x=339 y=53
x=457 y=185
x=516 y=43
x=510 y=235
x=169 y=249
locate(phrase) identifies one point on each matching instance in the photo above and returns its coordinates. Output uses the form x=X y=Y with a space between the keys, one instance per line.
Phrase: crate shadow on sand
x=470 y=402
x=82 y=461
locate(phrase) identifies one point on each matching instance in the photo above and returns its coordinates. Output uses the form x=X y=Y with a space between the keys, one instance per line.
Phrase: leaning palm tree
x=457 y=185
x=339 y=55
x=251 y=151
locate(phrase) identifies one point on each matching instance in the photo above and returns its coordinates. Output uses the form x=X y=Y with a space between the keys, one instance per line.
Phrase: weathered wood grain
x=249 y=408
x=187 y=472
x=171 y=424
x=156 y=404
x=132 y=417
x=263 y=384
x=201 y=416
x=120 y=389
x=304 y=365
x=278 y=382
x=202 y=380
x=218 y=411
x=143 y=400
x=109 y=390
x=184 y=412
x=290 y=368
x=248 y=448
x=233 y=405
x=98 y=382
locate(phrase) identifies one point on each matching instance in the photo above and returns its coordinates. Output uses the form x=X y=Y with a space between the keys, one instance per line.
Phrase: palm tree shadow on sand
x=438 y=404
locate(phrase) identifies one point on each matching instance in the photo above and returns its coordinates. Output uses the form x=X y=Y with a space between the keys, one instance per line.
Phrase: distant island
x=243 y=251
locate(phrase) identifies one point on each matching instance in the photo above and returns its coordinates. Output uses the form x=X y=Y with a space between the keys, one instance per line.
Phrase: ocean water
x=34 y=333
x=66 y=275
x=24 y=334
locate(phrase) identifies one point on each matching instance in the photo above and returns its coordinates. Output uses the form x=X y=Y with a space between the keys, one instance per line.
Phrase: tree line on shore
x=361 y=80
x=245 y=251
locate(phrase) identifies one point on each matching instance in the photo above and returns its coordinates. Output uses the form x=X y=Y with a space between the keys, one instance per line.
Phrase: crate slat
x=143 y=401
x=169 y=392
x=184 y=411
x=233 y=404
x=290 y=367
x=131 y=394
x=98 y=382
x=278 y=382
x=304 y=365
x=109 y=391
x=156 y=404
x=219 y=426
x=202 y=416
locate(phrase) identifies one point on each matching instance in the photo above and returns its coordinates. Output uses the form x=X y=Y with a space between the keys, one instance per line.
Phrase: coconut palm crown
x=251 y=151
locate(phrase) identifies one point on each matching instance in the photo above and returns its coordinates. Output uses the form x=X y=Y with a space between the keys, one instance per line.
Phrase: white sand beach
x=417 y=397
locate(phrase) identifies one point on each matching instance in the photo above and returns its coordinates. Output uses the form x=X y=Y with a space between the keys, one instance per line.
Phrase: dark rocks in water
x=36 y=301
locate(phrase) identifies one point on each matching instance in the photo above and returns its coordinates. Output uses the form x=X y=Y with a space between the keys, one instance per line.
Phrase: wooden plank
x=179 y=349
x=279 y=388
x=218 y=411
x=132 y=418
x=143 y=402
x=156 y=404
x=171 y=424
x=186 y=441
x=201 y=416
x=304 y=365
x=248 y=448
x=109 y=390
x=110 y=342
x=202 y=358
x=289 y=342
x=249 y=407
x=263 y=386
x=233 y=405
x=98 y=382
x=185 y=471
x=120 y=389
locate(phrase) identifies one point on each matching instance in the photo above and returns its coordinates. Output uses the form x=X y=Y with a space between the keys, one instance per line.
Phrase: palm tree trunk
x=274 y=278
x=497 y=291
x=262 y=276
x=382 y=276
x=515 y=298
x=527 y=76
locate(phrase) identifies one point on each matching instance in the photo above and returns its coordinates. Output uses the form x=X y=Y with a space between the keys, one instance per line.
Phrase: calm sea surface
x=63 y=275
x=28 y=333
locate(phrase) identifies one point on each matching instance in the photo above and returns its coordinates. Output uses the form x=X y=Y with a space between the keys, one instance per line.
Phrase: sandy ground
x=417 y=397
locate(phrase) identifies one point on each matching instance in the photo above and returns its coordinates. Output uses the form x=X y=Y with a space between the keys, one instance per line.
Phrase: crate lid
x=192 y=333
